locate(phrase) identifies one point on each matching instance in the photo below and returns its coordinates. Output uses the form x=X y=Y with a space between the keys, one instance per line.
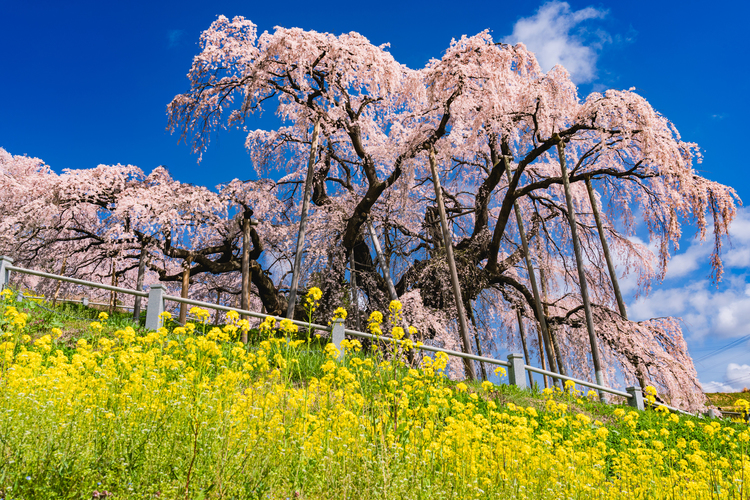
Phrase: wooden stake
x=605 y=248
x=303 y=221
x=532 y=276
x=525 y=348
x=581 y=273
x=245 y=268
x=641 y=370
x=463 y=327
x=355 y=292
x=57 y=288
x=113 y=294
x=139 y=283
x=185 y=289
x=552 y=334
x=218 y=303
x=477 y=341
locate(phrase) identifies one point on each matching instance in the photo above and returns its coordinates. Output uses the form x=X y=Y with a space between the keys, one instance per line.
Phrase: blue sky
x=87 y=83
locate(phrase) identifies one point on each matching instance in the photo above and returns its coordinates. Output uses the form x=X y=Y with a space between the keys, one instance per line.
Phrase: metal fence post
x=85 y=302
x=155 y=307
x=517 y=370
x=337 y=334
x=636 y=398
x=4 y=271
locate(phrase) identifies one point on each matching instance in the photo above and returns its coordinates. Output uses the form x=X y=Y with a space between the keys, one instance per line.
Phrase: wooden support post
x=552 y=334
x=139 y=283
x=355 y=292
x=522 y=333
x=388 y=280
x=185 y=289
x=381 y=260
x=581 y=272
x=477 y=340
x=303 y=221
x=532 y=276
x=463 y=327
x=217 y=313
x=113 y=282
x=245 y=263
x=605 y=248
x=59 y=283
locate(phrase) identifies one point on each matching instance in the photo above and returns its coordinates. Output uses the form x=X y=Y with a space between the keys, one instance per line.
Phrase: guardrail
x=516 y=367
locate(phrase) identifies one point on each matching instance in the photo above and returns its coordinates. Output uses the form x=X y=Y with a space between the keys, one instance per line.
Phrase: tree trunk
x=185 y=288
x=522 y=334
x=139 y=283
x=303 y=222
x=532 y=277
x=581 y=273
x=463 y=327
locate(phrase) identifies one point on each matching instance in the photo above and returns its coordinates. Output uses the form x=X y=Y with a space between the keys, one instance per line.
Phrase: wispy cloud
x=559 y=35
x=173 y=38
x=718 y=387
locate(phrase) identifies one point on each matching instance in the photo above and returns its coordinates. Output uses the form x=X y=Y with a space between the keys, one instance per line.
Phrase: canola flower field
x=189 y=412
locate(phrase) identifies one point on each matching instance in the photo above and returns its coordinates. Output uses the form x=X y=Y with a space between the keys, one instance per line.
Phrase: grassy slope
x=574 y=450
x=74 y=320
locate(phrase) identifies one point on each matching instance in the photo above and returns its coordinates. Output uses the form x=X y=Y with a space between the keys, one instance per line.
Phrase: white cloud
x=556 y=36
x=704 y=309
x=737 y=253
x=718 y=387
x=722 y=311
x=738 y=375
x=684 y=263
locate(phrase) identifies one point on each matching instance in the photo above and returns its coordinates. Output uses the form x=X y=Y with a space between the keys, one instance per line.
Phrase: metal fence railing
x=515 y=365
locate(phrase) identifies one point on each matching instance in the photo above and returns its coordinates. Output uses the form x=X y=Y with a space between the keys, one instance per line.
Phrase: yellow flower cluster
x=16 y=320
x=339 y=313
x=200 y=313
x=171 y=415
x=312 y=299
